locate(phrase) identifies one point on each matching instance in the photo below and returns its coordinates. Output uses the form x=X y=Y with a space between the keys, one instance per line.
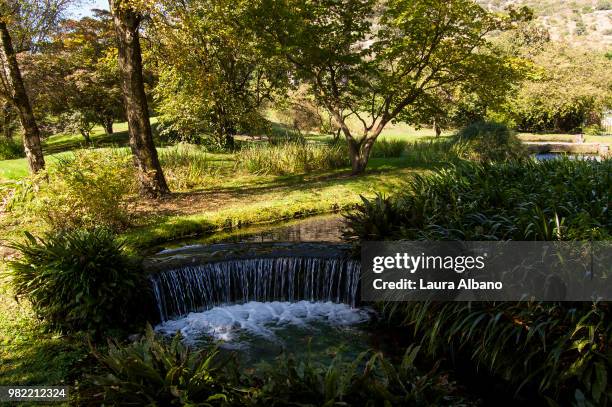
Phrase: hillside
x=581 y=22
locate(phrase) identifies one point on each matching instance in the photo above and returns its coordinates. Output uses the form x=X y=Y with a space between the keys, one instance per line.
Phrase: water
x=288 y=288
x=201 y=287
x=557 y=156
x=322 y=228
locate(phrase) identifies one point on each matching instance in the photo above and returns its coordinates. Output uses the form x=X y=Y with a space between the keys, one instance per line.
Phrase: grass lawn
x=250 y=200
x=29 y=354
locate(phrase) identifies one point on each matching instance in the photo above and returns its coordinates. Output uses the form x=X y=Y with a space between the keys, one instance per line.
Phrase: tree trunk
x=31 y=133
x=150 y=175
x=108 y=126
x=360 y=154
x=85 y=135
x=437 y=128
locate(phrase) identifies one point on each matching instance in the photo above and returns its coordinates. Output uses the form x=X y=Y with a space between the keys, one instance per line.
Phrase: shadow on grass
x=74 y=142
x=118 y=139
x=305 y=182
x=41 y=360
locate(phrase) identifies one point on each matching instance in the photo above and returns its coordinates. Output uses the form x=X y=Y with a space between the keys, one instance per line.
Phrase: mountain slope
x=580 y=22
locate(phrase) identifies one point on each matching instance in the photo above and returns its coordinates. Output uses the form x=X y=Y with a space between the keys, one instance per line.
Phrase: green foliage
x=569 y=88
x=220 y=85
x=389 y=148
x=88 y=189
x=77 y=75
x=290 y=158
x=368 y=380
x=553 y=200
x=487 y=142
x=11 y=149
x=562 y=350
x=300 y=112
x=151 y=371
x=77 y=280
x=593 y=130
x=186 y=166
x=441 y=46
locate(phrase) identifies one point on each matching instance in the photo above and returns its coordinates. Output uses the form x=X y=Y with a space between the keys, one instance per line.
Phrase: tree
x=93 y=85
x=373 y=61
x=7 y=119
x=24 y=26
x=75 y=77
x=569 y=88
x=218 y=86
x=14 y=90
x=127 y=16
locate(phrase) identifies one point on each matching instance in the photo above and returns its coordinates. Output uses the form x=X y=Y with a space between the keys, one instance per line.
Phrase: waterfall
x=196 y=288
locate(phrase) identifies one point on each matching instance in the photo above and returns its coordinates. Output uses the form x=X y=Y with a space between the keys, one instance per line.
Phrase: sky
x=83 y=9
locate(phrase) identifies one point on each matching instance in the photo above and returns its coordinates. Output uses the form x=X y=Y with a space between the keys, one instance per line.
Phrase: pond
x=558 y=156
x=290 y=287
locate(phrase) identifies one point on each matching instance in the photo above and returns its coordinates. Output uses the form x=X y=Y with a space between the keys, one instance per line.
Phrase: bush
x=486 y=142
x=553 y=200
x=562 y=350
x=185 y=166
x=77 y=280
x=11 y=149
x=291 y=158
x=593 y=130
x=154 y=372
x=89 y=189
x=368 y=380
x=389 y=148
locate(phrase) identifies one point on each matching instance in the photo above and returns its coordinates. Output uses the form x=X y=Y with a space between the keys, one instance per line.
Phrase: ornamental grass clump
x=291 y=158
x=78 y=280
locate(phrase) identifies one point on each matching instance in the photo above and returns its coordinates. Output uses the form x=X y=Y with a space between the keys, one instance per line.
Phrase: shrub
x=89 y=189
x=553 y=200
x=562 y=350
x=372 y=381
x=11 y=149
x=388 y=148
x=155 y=371
x=186 y=165
x=485 y=142
x=291 y=158
x=593 y=130
x=279 y=135
x=76 y=280
x=437 y=152
x=152 y=371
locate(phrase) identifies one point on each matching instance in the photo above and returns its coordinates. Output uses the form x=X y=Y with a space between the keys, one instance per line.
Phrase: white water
x=196 y=288
x=262 y=319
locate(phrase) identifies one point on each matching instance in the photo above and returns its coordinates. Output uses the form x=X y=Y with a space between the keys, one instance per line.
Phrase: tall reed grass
x=290 y=158
x=186 y=166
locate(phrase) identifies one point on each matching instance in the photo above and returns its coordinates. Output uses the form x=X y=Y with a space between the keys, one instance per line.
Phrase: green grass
x=29 y=355
x=13 y=169
x=65 y=142
x=259 y=200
